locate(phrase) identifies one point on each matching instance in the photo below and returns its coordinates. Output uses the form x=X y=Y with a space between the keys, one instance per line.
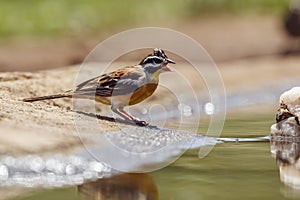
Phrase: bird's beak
x=165 y=66
x=170 y=61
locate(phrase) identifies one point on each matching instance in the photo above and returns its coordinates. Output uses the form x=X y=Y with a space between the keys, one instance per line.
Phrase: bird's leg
x=120 y=111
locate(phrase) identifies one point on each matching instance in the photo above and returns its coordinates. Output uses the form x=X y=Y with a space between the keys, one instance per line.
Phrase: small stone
x=287 y=117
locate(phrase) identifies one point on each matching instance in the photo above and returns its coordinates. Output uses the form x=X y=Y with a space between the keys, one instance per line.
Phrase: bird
x=123 y=87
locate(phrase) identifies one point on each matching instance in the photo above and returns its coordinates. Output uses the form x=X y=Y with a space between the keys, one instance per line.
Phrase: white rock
x=291 y=99
x=291 y=96
x=289 y=116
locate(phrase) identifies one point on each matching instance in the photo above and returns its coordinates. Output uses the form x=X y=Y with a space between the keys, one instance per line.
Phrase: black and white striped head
x=161 y=53
x=156 y=61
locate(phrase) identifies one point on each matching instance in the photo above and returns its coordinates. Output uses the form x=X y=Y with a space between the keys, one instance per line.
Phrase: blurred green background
x=77 y=17
x=44 y=34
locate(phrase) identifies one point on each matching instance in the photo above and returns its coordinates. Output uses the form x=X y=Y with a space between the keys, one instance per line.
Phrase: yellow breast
x=142 y=93
x=146 y=90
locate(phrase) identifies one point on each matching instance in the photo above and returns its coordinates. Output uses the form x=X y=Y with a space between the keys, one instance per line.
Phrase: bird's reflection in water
x=128 y=186
x=288 y=160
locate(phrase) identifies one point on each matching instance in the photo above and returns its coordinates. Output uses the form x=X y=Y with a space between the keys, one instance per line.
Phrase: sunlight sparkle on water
x=209 y=108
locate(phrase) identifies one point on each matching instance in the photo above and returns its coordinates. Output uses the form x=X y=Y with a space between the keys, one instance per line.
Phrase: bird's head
x=156 y=62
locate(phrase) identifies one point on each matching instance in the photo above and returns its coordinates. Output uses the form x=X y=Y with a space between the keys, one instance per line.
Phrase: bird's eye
x=157 y=60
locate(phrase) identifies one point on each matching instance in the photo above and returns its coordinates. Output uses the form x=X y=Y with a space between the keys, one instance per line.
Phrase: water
x=243 y=170
x=231 y=171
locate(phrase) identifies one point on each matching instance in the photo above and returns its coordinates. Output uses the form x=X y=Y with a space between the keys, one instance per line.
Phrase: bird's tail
x=54 y=96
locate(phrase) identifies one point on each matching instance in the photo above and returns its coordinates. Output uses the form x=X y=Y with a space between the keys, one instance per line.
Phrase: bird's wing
x=119 y=82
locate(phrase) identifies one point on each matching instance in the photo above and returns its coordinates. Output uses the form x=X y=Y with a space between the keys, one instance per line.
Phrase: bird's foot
x=140 y=122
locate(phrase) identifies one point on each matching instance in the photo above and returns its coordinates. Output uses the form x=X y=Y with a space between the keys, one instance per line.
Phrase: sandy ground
x=36 y=127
